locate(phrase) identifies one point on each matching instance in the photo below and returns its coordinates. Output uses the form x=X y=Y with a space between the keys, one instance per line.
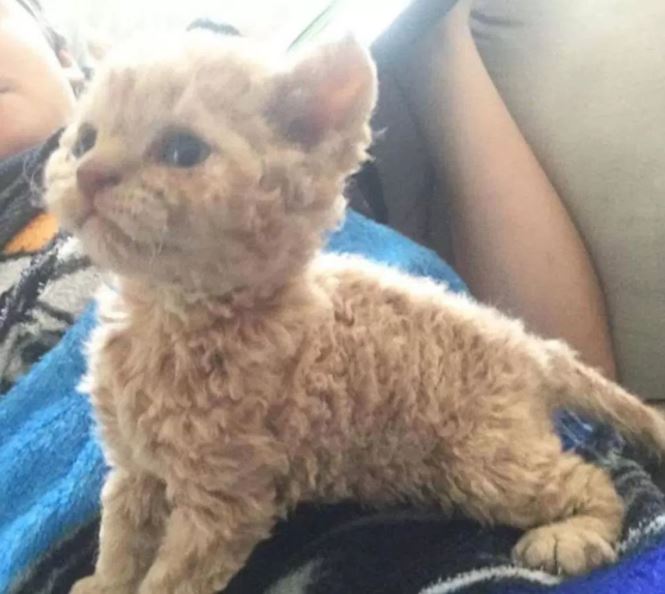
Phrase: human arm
x=513 y=239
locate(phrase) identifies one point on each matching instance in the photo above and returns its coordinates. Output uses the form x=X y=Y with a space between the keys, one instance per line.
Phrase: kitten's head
x=203 y=163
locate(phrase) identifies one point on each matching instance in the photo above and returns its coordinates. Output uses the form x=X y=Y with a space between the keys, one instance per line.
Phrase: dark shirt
x=21 y=188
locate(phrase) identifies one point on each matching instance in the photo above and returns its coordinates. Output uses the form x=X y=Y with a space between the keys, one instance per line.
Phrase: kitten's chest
x=158 y=390
x=133 y=389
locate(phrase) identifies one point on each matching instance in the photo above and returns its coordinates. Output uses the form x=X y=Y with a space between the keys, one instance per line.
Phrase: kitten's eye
x=85 y=141
x=182 y=149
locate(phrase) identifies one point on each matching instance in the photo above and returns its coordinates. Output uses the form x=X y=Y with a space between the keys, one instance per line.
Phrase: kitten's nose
x=93 y=176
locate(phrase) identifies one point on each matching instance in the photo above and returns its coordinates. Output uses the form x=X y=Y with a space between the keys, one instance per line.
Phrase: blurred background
x=89 y=23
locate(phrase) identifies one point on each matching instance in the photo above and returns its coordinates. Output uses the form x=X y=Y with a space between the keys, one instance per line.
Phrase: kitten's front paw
x=92 y=585
x=563 y=549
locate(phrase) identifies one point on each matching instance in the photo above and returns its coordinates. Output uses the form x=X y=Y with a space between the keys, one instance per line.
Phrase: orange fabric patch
x=34 y=236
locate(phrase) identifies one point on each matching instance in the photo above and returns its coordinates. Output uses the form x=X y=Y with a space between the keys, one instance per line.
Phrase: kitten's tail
x=579 y=388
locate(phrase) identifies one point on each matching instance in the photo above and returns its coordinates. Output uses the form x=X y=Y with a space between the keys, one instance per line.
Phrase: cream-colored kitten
x=237 y=371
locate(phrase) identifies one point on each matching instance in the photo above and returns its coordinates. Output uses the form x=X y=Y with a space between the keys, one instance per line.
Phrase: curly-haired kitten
x=238 y=370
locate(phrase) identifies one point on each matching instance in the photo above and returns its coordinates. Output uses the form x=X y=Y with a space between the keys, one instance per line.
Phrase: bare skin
x=514 y=242
x=36 y=96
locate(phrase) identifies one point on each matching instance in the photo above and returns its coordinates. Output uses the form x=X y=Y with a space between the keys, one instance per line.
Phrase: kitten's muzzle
x=93 y=176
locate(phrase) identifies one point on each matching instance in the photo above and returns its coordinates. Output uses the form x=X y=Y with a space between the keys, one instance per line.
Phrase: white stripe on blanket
x=11 y=269
x=296 y=582
x=638 y=534
x=476 y=576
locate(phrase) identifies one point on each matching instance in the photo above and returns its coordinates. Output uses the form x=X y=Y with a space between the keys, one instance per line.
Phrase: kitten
x=238 y=371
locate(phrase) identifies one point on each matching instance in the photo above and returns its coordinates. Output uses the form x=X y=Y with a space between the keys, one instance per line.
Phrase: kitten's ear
x=330 y=89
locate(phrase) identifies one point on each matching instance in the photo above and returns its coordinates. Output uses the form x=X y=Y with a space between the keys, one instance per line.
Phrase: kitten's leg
x=585 y=516
x=203 y=550
x=570 y=508
x=133 y=513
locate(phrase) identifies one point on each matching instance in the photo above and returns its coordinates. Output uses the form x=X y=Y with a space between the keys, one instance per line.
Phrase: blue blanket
x=51 y=472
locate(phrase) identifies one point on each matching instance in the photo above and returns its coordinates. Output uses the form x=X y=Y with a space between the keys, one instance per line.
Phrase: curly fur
x=237 y=371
